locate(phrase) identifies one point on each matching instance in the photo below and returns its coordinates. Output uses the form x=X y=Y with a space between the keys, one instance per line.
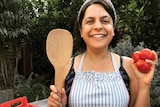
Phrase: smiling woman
x=97 y=77
x=97 y=28
x=79 y=45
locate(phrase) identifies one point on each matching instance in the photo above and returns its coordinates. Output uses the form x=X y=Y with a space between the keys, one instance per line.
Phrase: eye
x=105 y=21
x=90 y=21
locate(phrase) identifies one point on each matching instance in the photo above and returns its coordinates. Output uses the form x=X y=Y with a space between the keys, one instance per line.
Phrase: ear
x=114 y=28
x=80 y=30
x=113 y=32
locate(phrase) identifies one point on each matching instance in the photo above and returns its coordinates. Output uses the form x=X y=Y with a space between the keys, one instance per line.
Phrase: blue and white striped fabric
x=95 y=89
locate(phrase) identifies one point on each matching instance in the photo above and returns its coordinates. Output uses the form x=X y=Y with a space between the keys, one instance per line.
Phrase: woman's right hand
x=54 y=100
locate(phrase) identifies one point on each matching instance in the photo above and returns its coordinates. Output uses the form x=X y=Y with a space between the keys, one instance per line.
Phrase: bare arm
x=143 y=98
x=144 y=83
x=133 y=85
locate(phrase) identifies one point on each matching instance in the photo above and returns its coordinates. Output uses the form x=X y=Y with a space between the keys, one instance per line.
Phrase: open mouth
x=98 y=36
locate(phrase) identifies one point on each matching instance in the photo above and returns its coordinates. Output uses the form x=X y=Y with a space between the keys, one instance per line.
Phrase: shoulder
x=133 y=84
x=128 y=67
x=126 y=62
x=133 y=80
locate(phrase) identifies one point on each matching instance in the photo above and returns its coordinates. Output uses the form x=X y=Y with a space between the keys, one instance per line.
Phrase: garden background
x=24 y=25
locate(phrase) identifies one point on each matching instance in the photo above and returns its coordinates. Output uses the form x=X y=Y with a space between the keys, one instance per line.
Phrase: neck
x=96 y=61
x=95 y=56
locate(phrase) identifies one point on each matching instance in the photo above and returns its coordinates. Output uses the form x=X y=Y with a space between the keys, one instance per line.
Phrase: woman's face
x=97 y=27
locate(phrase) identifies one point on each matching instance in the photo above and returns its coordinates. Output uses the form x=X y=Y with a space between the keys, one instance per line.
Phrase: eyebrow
x=101 y=17
x=106 y=17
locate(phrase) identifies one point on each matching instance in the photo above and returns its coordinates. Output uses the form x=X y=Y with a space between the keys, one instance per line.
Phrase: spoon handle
x=58 y=79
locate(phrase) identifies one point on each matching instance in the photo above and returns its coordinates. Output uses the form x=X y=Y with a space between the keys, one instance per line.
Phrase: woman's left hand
x=144 y=79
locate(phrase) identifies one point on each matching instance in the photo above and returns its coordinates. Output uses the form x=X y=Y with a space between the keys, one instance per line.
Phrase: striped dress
x=95 y=89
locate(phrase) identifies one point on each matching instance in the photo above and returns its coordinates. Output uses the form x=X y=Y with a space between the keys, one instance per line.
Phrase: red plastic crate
x=19 y=102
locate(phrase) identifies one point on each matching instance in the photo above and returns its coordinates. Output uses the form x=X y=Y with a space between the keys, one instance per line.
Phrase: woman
x=98 y=77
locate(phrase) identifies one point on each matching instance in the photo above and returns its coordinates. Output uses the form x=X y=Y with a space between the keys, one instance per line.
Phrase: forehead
x=95 y=10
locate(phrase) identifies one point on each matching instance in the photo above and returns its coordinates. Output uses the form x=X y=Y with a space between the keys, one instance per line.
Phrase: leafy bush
x=139 y=19
x=33 y=92
x=155 y=87
x=126 y=48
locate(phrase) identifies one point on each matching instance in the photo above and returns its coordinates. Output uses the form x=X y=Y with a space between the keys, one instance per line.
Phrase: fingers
x=53 y=89
x=153 y=62
x=64 y=96
x=133 y=64
x=156 y=57
x=54 y=100
x=63 y=93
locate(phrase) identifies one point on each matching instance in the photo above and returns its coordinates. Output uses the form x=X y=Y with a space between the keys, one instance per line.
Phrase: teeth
x=98 y=36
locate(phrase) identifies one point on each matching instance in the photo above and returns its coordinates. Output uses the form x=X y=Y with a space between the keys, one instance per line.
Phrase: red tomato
x=136 y=56
x=143 y=66
x=139 y=58
x=147 y=54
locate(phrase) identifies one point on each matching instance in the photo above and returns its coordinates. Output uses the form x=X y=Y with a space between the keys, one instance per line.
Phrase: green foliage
x=33 y=91
x=140 y=21
x=14 y=18
x=155 y=87
x=126 y=48
x=27 y=24
x=49 y=15
x=14 y=30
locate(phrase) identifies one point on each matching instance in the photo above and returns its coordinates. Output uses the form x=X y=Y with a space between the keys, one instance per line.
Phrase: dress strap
x=114 y=62
x=81 y=63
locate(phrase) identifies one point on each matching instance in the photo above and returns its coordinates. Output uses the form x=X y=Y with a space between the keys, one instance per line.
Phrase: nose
x=98 y=25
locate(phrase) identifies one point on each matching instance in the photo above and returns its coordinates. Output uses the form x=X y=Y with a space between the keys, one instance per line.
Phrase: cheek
x=83 y=32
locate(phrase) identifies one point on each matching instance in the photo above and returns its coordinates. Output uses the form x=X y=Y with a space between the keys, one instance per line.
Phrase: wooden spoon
x=59 y=45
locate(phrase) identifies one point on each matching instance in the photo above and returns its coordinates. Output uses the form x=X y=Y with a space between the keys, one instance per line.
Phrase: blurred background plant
x=28 y=87
x=24 y=25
